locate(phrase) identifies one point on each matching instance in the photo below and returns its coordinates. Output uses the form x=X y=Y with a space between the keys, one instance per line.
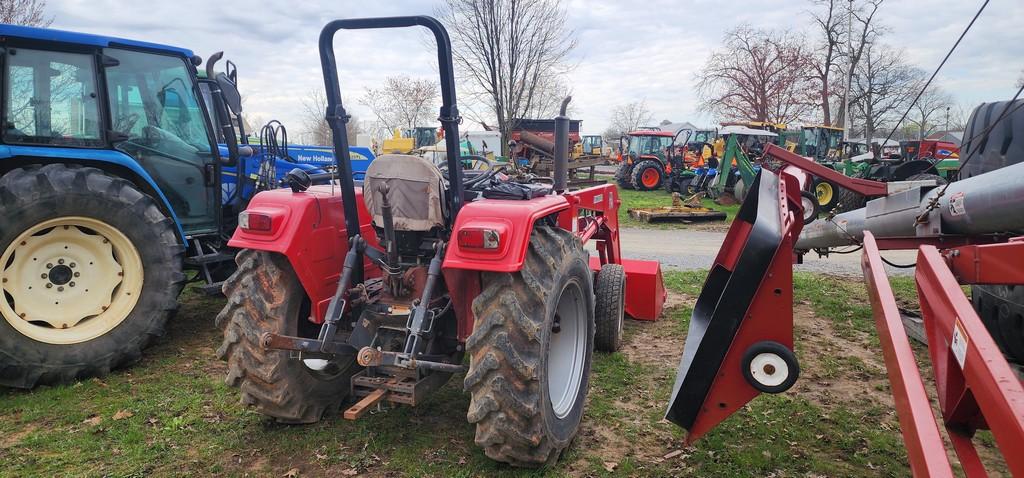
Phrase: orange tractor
x=380 y=292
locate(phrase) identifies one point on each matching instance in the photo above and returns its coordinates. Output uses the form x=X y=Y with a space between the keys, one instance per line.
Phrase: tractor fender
x=309 y=229
x=911 y=168
x=98 y=158
x=512 y=220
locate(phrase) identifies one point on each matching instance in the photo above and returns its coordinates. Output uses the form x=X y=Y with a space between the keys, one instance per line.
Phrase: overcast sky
x=628 y=51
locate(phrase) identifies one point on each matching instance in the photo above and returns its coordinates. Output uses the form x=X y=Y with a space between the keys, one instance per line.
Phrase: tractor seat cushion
x=415 y=189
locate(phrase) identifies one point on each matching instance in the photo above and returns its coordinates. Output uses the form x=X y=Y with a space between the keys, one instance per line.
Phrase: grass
x=171 y=414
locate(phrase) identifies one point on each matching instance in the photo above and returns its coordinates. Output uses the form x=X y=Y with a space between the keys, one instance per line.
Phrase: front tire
x=528 y=373
x=826 y=194
x=265 y=295
x=624 y=175
x=609 y=313
x=91 y=270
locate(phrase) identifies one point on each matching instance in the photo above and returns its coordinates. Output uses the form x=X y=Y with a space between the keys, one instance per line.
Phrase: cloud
x=628 y=51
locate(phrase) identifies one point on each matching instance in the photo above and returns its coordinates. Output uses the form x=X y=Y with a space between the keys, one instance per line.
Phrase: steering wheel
x=472 y=176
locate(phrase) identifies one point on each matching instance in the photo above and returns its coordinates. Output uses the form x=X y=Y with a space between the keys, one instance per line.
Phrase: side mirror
x=230 y=92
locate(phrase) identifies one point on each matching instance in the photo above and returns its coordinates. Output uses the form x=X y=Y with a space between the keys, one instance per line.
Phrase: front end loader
x=380 y=293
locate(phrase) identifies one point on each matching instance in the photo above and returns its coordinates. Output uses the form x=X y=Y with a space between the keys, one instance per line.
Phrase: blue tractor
x=119 y=184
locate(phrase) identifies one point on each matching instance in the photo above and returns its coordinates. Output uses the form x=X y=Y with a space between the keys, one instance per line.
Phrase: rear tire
x=647 y=175
x=66 y=223
x=939 y=180
x=848 y=201
x=1001 y=308
x=527 y=393
x=264 y=295
x=609 y=313
x=624 y=175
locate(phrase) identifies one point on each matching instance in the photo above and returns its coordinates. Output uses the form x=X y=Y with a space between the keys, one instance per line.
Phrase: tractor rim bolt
x=77 y=274
x=49 y=285
x=71 y=284
x=43 y=275
x=60 y=261
x=60 y=289
x=72 y=265
x=49 y=265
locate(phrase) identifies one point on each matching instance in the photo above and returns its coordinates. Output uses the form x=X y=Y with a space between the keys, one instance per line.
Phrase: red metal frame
x=309 y=229
x=976 y=387
x=864 y=187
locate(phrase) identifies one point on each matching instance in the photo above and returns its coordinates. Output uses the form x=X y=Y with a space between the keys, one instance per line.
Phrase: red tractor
x=379 y=292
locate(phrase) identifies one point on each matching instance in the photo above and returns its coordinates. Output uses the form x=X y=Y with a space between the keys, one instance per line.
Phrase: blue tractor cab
x=118 y=185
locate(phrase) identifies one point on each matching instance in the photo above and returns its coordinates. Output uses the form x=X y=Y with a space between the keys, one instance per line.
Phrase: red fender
x=309 y=229
x=513 y=220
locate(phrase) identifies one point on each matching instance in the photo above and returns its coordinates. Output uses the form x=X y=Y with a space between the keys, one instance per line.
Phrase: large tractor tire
x=647 y=175
x=1001 y=308
x=530 y=352
x=624 y=175
x=848 y=201
x=90 y=268
x=939 y=180
x=265 y=295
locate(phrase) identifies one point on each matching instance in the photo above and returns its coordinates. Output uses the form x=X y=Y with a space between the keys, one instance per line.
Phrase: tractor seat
x=415 y=190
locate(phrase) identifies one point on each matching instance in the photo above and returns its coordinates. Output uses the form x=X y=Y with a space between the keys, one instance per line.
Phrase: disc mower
x=381 y=292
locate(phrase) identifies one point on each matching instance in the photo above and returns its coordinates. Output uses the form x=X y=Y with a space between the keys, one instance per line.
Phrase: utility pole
x=947 y=120
x=849 y=72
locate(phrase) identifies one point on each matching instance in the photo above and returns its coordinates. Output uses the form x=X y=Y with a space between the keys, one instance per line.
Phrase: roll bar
x=337 y=118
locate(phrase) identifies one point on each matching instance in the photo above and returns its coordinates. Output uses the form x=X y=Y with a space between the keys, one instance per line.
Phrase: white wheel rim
x=567 y=351
x=769 y=369
x=808 y=208
x=69 y=280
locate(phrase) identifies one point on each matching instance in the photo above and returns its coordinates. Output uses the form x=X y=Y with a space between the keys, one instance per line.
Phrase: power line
x=936 y=72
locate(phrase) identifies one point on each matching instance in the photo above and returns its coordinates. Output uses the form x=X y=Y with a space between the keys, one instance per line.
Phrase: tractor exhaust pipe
x=561 y=177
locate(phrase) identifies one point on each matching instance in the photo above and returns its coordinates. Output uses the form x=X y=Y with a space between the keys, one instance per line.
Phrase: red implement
x=740 y=339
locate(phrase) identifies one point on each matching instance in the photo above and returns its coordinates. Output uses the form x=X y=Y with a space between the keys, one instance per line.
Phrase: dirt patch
x=833 y=368
x=9 y=440
x=657 y=343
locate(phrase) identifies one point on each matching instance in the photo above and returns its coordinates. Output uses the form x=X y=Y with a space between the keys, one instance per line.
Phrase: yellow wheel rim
x=824 y=193
x=69 y=280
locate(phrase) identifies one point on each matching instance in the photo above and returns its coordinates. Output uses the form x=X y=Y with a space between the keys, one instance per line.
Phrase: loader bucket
x=746 y=304
x=645 y=288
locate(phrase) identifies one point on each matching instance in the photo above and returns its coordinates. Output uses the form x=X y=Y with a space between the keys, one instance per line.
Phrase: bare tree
x=831 y=25
x=25 y=12
x=759 y=75
x=508 y=51
x=882 y=86
x=316 y=128
x=626 y=118
x=926 y=113
x=403 y=103
x=864 y=32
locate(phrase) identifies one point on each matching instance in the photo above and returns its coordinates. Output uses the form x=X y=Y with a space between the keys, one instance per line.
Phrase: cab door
x=157 y=118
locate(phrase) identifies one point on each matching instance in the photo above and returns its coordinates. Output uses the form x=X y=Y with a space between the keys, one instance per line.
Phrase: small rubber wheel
x=610 y=292
x=826 y=194
x=810 y=206
x=770 y=367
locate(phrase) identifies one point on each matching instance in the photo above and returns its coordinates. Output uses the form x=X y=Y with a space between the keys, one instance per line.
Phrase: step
x=209 y=258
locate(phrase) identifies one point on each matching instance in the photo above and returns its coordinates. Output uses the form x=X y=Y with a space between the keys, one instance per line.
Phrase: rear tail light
x=254 y=221
x=487 y=239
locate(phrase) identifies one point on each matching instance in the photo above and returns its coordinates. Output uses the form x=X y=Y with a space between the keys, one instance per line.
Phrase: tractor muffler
x=740 y=340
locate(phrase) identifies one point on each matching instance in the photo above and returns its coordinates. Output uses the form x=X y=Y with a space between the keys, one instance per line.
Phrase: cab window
x=50 y=98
